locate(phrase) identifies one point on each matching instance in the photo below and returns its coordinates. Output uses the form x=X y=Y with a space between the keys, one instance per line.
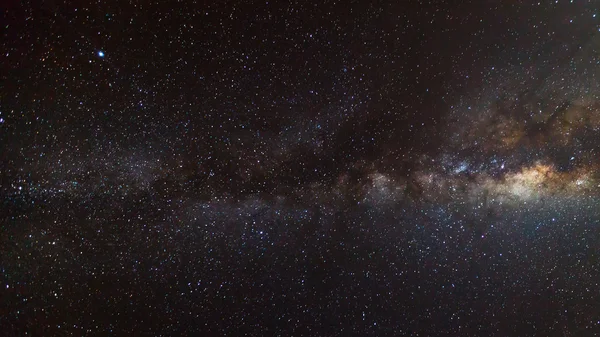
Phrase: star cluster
x=334 y=168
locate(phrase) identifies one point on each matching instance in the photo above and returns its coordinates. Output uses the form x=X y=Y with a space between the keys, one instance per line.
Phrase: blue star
x=101 y=53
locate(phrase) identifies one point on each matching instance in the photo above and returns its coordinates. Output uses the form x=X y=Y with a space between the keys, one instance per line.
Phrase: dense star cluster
x=276 y=168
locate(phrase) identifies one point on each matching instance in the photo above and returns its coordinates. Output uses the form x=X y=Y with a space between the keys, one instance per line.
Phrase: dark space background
x=336 y=168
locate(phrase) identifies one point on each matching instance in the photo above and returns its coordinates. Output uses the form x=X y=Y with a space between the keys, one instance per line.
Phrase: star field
x=336 y=168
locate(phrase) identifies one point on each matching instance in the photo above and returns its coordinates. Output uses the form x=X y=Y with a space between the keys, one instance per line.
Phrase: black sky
x=349 y=168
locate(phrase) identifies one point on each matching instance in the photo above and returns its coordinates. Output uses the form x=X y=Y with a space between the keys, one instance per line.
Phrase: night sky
x=336 y=168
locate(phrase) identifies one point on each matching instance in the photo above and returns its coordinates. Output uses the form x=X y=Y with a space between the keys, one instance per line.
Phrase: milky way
x=325 y=169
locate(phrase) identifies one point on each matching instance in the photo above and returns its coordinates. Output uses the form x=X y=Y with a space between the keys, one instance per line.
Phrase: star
x=101 y=54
